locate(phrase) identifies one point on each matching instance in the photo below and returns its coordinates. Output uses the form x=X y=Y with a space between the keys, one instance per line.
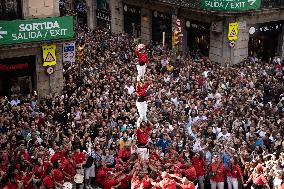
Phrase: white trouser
x=201 y=181
x=143 y=153
x=232 y=183
x=141 y=71
x=214 y=185
x=142 y=110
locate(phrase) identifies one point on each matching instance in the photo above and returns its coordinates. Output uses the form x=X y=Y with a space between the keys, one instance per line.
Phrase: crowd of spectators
x=211 y=125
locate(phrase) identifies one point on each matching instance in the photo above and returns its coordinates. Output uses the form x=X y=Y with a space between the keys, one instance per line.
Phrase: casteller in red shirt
x=199 y=165
x=220 y=171
x=234 y=171
x=141 y=89
x=143 y=134
x=27 y=179
x=79 y=157
x=69 y=168
x=102 y=174
x=58 y=176
x=48 y=181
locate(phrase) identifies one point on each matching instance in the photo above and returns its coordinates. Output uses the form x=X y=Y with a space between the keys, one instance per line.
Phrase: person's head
x=164 y=174
x=184 y=180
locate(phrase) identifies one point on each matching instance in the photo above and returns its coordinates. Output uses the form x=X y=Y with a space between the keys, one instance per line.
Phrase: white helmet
x=141 y=47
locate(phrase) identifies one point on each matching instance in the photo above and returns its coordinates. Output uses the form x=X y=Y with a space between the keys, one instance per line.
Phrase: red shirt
x=220 y=172
x=190 y=173
x=26 y=179
x=141 y=90
x=69 y=168
x=143 y=57
x=110 y=183
x=55 y=157
x=11 y=185
x=38 y=173
x=101 y=175
x=146 y=183
x=48 y=181
x=167 y=183
x=135 y=183
x=142 y=136
x=199 y=165
x=234 y=171
x=124 y=182
x=123 y=153
x=58 y=176
x=79 y=157
x=258 y=179
x=187 y=186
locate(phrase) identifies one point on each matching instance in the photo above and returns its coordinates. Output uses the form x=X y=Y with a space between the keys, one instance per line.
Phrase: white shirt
x=130 y=89
x=226 y=136
x=15 y=102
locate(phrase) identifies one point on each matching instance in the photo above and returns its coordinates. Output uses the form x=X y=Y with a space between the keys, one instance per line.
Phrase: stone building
x=25 y=27
x=260 y=27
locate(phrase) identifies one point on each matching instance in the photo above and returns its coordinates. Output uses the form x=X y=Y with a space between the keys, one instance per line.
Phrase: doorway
x=17 y=75
x=263 y=40
x=132 y=20
x=198 y=36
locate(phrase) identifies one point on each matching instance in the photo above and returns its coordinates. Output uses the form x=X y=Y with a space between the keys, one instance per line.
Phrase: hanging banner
x=233 y=31
x=69 y=54
x=49 y=55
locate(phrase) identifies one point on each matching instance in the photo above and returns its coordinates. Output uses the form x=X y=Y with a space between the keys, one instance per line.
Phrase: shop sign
x=103 y=15
x=49 y=55
x=32 y=30
x=233 y=31
x=69 y=54
x=131 y=9
x=230 y=5
x=266 y=27
x=17 y=66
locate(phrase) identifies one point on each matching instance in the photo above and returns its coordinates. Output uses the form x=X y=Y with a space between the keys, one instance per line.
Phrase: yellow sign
x=49 y=55
x=233 y=31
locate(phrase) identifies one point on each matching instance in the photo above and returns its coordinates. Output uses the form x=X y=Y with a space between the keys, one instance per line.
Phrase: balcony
x=195 y=4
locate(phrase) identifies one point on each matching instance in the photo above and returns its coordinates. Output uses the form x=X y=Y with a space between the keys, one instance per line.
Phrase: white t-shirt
x=226 y=136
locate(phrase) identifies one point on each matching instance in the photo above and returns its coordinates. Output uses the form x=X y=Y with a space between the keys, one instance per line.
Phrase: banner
x=230 y=5
x=38 y=29
x=49 y=55
x=69 y=52
x=233 y=31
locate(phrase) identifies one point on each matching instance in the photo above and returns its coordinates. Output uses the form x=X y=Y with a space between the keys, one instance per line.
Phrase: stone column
x=281 y=44
x=184 y=47
x=56 y=79
x=146 y=25
x=240 y=52
x=221 y=52
x=91 y=14
x=116 y=8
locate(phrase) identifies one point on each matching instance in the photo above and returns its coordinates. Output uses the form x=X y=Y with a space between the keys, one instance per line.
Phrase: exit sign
x=230 y=5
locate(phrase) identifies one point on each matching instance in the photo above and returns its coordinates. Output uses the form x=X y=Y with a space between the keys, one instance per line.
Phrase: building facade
x=26 y=28
x=260 y=29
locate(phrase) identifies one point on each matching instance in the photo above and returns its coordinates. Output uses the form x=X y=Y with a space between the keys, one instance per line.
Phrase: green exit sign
x=230 y=5
x=35 y=30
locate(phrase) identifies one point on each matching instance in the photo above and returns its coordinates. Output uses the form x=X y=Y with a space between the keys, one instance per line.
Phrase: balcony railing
x=196 y=3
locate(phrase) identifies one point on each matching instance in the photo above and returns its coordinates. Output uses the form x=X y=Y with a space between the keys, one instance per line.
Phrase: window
x=10 y=9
